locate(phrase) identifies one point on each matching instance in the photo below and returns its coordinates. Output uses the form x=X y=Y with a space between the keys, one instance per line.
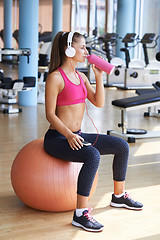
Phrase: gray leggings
x=57 y=145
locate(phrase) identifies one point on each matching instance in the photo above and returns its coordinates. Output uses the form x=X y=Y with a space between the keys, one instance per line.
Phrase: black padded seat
x=7 y=82
x=137 y=100
x=10 y=84
x=29 y=82
x=145 y=91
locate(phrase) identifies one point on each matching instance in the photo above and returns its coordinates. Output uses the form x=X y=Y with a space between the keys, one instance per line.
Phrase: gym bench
x=134 y=103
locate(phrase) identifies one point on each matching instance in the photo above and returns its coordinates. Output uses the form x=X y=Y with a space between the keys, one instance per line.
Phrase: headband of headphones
x=70 y=51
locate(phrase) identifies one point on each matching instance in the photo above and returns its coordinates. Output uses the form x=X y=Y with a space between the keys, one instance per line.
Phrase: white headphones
x=70 y=51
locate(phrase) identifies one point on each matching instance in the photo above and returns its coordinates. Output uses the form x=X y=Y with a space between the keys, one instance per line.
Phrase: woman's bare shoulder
x=54 y=75
x=55 y=78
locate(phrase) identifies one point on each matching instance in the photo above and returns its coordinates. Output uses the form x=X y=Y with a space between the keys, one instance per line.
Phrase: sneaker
x=126 y=202
x=87 y=222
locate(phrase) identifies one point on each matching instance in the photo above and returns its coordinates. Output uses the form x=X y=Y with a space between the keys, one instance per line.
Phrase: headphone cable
x=93 y=124
x=86 y=107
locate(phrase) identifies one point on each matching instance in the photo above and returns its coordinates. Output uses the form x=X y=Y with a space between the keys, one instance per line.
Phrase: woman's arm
x=53 y=86
x=95 y=96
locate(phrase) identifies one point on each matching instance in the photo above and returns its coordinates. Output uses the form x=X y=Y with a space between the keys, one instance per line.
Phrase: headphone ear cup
x=70 y=52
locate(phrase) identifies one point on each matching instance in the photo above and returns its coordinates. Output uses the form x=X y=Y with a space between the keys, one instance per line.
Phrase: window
x=80 y=16
x=148 y=22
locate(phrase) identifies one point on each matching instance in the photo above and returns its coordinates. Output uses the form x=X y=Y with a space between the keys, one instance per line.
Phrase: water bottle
x=100 y=63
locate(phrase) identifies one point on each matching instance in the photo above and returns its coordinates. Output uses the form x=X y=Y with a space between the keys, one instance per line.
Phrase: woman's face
x=81 y=51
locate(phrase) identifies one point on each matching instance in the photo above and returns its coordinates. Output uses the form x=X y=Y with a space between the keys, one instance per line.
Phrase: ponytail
x=58 y=51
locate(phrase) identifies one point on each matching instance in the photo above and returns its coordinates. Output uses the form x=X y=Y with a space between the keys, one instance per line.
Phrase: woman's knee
x=92 y=157
x=122 y=146
x=125 y=146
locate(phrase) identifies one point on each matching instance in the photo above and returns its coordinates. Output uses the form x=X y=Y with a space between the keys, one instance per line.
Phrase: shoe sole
x=87 y=229
x=124 y=206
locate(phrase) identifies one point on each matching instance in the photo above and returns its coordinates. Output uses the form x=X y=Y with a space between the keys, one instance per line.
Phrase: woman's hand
x=75 y=141
x=98 y=73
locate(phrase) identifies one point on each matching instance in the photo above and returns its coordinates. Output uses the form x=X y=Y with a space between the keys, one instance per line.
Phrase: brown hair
x=58 y=49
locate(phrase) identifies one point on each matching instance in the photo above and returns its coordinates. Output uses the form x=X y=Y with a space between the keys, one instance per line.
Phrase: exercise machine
x=15 y=52
x=139 y=74
x=9 y=89
x=156 y=85
x=117 y=77
x=94 y=45
x=147 y=98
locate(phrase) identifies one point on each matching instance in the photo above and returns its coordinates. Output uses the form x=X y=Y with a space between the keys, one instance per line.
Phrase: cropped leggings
x=57 y=145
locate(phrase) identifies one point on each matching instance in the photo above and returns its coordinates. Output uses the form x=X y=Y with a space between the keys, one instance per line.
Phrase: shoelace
x=88 y=215
x=127 y=195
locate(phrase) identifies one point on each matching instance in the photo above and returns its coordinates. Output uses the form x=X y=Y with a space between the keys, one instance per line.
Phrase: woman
x=66 y=91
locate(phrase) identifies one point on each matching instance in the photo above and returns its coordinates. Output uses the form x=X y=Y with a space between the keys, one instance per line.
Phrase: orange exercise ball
x=44 y=182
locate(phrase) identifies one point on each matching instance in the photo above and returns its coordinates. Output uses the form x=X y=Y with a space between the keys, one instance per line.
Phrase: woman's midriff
x=71 y=116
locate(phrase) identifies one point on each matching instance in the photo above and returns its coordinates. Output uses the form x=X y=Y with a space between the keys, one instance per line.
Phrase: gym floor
x=19 y=222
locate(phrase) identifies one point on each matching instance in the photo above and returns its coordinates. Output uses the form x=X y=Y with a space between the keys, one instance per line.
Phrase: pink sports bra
x=72 y=93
